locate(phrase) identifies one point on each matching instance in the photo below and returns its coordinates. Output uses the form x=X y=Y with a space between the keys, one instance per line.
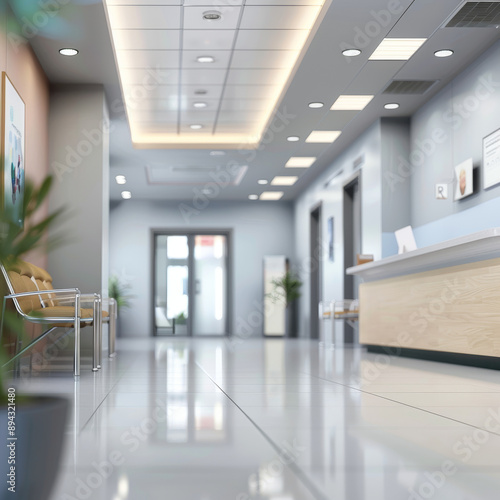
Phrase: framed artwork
x=491 y=159
x=12 y=152
x=464 y=179
x=330 y=239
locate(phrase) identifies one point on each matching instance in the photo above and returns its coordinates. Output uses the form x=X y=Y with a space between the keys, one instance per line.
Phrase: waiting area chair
x=35 y=300
x=345 y=310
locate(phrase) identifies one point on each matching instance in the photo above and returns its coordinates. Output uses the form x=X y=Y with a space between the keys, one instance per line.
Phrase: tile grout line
x=405 y=404
x=301 y=475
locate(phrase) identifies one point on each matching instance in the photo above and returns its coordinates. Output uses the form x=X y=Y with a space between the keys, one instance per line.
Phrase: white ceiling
x=323 y=74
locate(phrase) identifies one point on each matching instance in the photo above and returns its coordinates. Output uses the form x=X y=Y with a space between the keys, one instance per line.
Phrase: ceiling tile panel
x=270 y=39
x=374 y=76
x=208 y=39
x=148 y=58
x=203 y=76
x=144 y=17
x=239 y=128
x=202 y=92
x=154 y=116
x=193 y=19
x=146 y=39
x=137 y=93
x=255 y=76
x=170 y=104
x=240 y=116
x=263 y=58
x=279 y=17
x=195 y=116
x=251 y=91
x=150 y=78
x=221 y=59
x=236 y=105
x=157 y=128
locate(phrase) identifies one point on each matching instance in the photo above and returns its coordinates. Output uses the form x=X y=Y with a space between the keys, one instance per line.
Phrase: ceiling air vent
x=476 y=15
x=413 y=87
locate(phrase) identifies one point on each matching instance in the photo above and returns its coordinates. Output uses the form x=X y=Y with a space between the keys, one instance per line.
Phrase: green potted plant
x=32 y=427
x=286 y=289
x=119 y=291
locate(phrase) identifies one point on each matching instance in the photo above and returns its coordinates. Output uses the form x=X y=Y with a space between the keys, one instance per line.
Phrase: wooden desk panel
x=454 y=309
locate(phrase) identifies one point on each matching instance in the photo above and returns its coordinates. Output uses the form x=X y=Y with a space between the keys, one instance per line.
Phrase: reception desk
x=443 y=299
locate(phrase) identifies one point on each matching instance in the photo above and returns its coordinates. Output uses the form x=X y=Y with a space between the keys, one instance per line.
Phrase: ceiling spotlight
x=120 y=179
x=212 y=15
x=293 y=138
x=126 y=195
x=262 y=181
x=351 y=52
x=316 y=105
x=200 y=105
x=253 y=196
x=205 y=59
x=68 y=52
x=444 y=53
x=391 y=105
x=217 y=153
x=196 y=126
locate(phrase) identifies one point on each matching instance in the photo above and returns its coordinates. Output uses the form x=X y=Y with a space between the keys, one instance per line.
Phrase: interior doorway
x=191 y=278
x=315 y=269
x=352 y=244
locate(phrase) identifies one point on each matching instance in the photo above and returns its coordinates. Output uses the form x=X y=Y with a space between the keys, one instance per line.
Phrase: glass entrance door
x=191 y=281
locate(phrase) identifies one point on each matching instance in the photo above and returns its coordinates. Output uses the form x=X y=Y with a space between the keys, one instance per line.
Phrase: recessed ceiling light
x=196 y=126
x=284 y=180
x=253 y=196
x=316 y=105
x=217 y=153
x=205 y=59
x=126 y=195
x=293 y=138
x=444 y=53
x=323 y=136
x=262 y=181
x=68 y=52
x=212 y=15
x=397 y=49
x=300 y=161
x=200 y=92
x=351 y=52
x=200 y=105
x=351 y=102
x=120 y=179
x=271 y=195
x=391 y=105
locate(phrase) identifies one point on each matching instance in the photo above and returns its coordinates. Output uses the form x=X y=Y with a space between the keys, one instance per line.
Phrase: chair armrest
x=68 y=291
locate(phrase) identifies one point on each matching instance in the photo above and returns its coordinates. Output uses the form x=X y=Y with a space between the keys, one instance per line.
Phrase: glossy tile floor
x=206 y=419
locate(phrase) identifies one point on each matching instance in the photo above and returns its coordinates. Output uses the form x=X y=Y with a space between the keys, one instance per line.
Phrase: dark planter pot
x=290 y=322
x=39 y=428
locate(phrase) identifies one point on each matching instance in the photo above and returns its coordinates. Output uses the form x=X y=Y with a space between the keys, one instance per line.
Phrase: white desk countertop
x=482 y=245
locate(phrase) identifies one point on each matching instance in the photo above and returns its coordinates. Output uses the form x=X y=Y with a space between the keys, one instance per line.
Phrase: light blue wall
x=261 y=228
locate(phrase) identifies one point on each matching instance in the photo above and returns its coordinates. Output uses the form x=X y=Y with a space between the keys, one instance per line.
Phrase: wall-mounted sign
x=441 y=191
x=491 y=159
x=464 y=183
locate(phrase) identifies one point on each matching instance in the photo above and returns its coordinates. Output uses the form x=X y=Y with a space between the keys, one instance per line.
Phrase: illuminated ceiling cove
x=206 y=73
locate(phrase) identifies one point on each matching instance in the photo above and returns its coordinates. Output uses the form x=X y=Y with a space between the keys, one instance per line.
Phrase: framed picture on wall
x=12 y=152
x=464 y=179
x=330 y=239
x=491 y=159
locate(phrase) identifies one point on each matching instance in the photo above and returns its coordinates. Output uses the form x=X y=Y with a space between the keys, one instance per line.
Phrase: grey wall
x=331 y=197
x=258 y=229
x=446 y=131
x=79 y=162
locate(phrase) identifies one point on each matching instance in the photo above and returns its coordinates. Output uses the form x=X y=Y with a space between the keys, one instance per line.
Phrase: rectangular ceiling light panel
x=271 y=195
x=323 y=136
x=300 y=161
x=152 y=61
x=351 y=102
x=397 y=49
x=284 y=180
